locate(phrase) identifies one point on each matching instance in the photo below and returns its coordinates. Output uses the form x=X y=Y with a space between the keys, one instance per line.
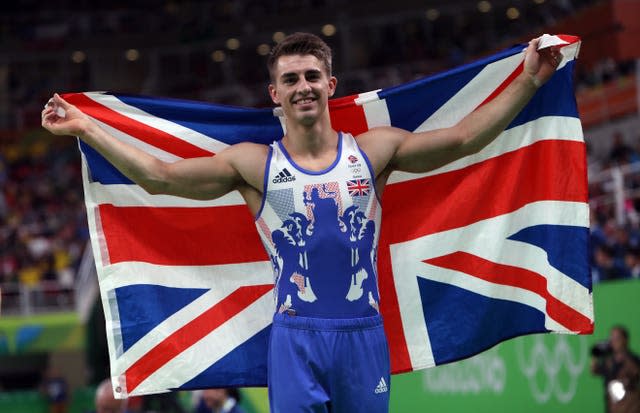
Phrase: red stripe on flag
x=347 y=116
x=152 y=136
x=516 y=277
x=504 y=84
x=568 y=38
x=193 y=332
x=455 y=199
x=181 y=236
x=551 y=170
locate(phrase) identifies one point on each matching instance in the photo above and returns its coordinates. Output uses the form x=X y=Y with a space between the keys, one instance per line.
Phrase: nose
x=304 y=86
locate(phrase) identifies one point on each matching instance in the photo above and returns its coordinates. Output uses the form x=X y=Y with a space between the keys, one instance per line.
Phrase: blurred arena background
x=52 y=345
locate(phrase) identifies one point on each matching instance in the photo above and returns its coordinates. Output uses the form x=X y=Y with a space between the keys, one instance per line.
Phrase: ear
x=273 y=93
x=333 y=83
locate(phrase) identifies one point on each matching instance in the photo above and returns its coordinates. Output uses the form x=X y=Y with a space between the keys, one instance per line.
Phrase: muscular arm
x=394 y=149
x=237 y=167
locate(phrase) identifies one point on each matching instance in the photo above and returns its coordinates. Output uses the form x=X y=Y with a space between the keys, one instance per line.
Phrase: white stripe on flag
x=407 y=262
x=98 y=243
x=227 y=277
x=188 y=135
x=546 y=128
x=133 y=141
x=132 y=195
x=375 y=110
x=377 y=113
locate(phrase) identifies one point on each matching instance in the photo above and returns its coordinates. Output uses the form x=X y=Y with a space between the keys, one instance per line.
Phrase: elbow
x=152 y=189
x=465 y=142
x=471 y=149
x=156 y=180
x=470 y=143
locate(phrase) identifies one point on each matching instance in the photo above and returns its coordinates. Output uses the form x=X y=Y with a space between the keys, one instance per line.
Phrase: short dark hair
x=301 y=44
x=622 y=329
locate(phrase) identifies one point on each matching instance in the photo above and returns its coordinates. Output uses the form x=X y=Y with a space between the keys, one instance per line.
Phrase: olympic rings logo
x=552 y=372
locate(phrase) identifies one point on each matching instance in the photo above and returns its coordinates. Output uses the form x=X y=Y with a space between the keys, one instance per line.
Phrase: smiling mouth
x=304 y=101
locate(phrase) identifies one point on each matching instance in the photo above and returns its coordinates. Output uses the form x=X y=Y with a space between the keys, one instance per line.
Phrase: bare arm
x=197 y=178
x=425 y=151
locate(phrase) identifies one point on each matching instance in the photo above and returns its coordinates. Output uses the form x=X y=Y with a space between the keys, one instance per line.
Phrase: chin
x=308 y=120
x=308 y=117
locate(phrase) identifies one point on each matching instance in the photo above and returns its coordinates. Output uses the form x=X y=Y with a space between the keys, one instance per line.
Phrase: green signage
x=537 y=373
x=41 y=333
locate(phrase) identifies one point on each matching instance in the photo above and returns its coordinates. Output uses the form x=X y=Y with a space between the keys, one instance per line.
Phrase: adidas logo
x=283 y=176
x=381 y=387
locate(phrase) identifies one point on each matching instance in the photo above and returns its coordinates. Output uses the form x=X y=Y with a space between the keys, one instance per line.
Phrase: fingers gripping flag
x=486 y=248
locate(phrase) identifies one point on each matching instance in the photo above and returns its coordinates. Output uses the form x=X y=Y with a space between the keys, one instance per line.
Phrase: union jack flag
x=486 y=248
x=358 y=187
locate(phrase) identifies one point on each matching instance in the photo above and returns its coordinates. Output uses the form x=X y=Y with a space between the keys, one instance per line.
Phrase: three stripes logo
x=283 y=176
x=381 y=387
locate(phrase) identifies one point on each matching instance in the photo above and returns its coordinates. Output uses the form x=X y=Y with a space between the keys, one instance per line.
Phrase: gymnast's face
x=302 y=87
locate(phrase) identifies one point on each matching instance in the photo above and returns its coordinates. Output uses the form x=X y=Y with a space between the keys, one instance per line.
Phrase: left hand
x=541 y=64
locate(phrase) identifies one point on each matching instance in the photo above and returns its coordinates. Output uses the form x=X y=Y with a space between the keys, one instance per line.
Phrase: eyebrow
x=294 y=74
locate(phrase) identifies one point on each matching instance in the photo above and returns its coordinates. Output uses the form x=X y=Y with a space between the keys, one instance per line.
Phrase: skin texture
x=302 y=87
x=214 y=398
x=105 y=402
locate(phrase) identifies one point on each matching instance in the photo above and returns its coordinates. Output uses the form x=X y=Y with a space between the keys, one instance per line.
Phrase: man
x=219 y=401
x=105 y=402
x=632 y=262
x=620 y=369
x=55 y=389
x=315 y=195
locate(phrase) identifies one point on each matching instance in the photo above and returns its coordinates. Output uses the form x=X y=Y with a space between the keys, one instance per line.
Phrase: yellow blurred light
x=513 y=13
x=484 y=6
x=218 y=56
x=233 y=43
x=433 y=14
x=263 y=49
x=78 y=56
x=132 y=55
x=328 y=29
x=278 y=37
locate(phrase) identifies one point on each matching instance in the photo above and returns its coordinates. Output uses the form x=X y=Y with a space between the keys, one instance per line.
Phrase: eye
x=289 y=80
x=312 y=76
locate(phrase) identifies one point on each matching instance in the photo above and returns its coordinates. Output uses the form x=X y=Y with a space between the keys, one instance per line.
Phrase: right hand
x=73 y=122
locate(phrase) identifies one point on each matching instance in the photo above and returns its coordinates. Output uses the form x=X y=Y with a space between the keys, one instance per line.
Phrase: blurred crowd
x=615 y=226
x=43 y=226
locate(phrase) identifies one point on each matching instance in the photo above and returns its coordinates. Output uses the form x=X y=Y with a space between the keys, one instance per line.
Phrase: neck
x=310 y=141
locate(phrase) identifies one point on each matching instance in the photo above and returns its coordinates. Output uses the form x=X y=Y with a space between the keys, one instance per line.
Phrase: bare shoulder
x=249 y=160
x=246 y=149
x=380 y=145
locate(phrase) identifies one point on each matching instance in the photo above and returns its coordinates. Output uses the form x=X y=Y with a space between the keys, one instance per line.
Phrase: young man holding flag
x=315 y=197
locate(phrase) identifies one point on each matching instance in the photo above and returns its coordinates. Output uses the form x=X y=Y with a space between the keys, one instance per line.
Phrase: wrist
x=536 y=82
x=530 y=81
x=86 y=129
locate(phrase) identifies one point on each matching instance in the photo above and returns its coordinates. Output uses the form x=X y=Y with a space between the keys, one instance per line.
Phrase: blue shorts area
x=328 y=365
